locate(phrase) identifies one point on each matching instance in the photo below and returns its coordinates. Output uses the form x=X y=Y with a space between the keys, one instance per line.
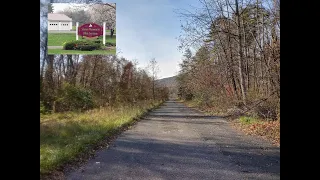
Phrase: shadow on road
x=152 y=158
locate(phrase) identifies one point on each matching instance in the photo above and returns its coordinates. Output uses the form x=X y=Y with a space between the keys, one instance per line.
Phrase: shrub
x=69 y=45
x=42 y=108
x=189 y=96
x=267 y=110
x=86 y=47
x=82 y=45
x=110 y=44
x=74 y=98
x=96 y=45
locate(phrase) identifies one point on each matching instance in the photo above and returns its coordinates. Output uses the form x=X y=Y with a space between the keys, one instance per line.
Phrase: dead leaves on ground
x=270 y=130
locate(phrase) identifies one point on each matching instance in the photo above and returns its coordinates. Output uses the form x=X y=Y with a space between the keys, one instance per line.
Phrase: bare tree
x=242 y=43
x=241 y=58
x=154 y=70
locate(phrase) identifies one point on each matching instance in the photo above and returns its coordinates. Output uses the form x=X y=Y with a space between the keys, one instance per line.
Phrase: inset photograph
x=75 y=28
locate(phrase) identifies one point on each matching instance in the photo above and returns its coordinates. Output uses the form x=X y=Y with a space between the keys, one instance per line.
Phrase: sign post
x=77 y=26
x=104 y=33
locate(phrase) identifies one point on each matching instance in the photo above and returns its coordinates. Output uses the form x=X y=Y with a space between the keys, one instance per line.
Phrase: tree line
x=85 y=11
x=80 y=82
x=237 y=55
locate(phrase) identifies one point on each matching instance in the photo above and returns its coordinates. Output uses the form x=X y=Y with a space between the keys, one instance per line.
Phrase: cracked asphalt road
x=177 y=142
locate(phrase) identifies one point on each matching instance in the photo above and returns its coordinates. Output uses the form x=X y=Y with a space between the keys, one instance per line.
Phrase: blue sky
x=149 y=29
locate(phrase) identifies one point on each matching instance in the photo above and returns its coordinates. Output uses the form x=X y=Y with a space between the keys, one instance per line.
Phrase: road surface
x=177 y=142
x=55 y=47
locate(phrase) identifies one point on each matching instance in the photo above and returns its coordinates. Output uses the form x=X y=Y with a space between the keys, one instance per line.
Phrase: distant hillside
x=171 y=83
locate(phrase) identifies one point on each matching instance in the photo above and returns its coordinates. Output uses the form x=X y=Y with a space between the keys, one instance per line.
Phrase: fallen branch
x=258 y=102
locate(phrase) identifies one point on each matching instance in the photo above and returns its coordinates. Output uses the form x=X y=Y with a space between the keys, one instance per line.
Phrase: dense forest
x=237 y=57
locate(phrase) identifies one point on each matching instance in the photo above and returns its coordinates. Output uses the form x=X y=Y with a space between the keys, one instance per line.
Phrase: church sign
x=90 y=30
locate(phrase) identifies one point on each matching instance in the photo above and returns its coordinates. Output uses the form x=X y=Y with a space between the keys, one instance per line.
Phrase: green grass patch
x=57 y=39
x=97 y=52
x=248 y=120
x=64 y=136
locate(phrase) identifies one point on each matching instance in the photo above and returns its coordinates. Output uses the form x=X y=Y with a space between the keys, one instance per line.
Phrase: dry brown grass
x=64 y=136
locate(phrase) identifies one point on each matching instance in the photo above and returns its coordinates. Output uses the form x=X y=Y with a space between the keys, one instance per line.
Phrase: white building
x=59 y=22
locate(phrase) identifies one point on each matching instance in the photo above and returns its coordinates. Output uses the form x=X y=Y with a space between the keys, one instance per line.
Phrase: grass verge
x=65 y=136
x=268 y=129
x=57 y=39
x=97 y=52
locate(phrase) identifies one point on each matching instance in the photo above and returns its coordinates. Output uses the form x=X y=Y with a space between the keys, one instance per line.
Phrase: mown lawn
x=97 y=52
x=64 y=136
x=57 y=39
